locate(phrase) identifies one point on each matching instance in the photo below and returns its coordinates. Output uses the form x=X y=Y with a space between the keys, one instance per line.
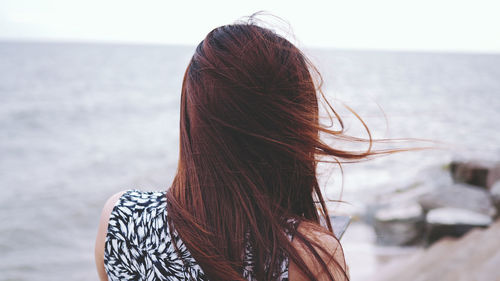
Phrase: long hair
x=249 y=148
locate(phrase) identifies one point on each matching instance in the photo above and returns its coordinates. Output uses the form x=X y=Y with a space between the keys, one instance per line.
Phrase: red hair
x=249 y=147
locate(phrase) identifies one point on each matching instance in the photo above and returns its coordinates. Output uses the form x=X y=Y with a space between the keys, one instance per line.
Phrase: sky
x=425 y=25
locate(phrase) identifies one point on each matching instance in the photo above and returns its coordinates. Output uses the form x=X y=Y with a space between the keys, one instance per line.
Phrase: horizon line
x=47 y=40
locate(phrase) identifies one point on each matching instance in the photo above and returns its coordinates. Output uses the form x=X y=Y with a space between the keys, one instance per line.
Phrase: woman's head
x=250 y=114
x=249 y=147
x=249 y=137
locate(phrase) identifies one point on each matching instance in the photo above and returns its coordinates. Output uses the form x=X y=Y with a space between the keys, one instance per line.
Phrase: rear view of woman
x=245 y=202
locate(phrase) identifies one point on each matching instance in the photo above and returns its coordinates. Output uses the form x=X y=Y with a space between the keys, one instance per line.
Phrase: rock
x=457 y=216
x=461 y=196
x=488 y=271
x=495 y=196
x=478 y=173
x=399 y=197
x=409 y=194
x=399 y=224
x=474 y=256
x=452 y=222
x=434 y=175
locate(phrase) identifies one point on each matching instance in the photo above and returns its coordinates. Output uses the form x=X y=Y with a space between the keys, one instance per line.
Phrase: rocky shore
x=447 y=219
x=450 y=205
x=473 y=257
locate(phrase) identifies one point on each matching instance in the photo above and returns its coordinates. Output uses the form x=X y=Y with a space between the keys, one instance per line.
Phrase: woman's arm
x=101 y=234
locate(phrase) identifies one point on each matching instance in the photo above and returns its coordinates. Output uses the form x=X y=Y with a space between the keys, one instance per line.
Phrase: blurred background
x=89 y=106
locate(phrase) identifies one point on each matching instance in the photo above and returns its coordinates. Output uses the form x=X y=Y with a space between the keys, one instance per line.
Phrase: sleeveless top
x=140 y=246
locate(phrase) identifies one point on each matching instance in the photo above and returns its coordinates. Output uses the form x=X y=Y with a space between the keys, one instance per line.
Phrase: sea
x=82 y=121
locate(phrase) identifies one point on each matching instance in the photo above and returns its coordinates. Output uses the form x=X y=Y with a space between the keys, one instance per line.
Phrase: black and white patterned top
x=139 y=245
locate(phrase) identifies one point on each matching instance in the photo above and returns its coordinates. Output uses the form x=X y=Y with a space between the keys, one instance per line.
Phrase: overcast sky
x=430 y=25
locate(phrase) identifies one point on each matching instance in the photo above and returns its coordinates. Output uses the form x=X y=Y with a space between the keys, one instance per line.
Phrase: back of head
x=249 y=137
x=250 y=114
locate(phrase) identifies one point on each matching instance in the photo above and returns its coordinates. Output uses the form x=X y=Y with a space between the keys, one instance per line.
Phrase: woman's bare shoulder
x=329 y=249
x=101 y=233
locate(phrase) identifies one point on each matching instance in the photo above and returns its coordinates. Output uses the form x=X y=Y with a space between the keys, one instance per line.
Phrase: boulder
x=495 y=196
x=474 y=256
x=461 y=196
x=434 y=175
x=452 y=222
x=399 y=225
x=478 y=173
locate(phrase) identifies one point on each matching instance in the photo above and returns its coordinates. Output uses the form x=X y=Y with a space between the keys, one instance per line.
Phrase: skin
x=326 y=241
x=307 y=229
x=101 y=234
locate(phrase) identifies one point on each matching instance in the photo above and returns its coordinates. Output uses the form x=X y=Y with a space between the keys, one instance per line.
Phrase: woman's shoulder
x=136 y=200
x=318 y=234
x=125 y=216
x=328 y=247
x=132 y=208
x=133 y=203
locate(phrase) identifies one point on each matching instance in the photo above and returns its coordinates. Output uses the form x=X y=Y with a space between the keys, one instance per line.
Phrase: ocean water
x=79 y=122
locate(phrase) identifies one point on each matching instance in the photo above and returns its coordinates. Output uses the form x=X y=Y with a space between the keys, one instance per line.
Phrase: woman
x=244 y=202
